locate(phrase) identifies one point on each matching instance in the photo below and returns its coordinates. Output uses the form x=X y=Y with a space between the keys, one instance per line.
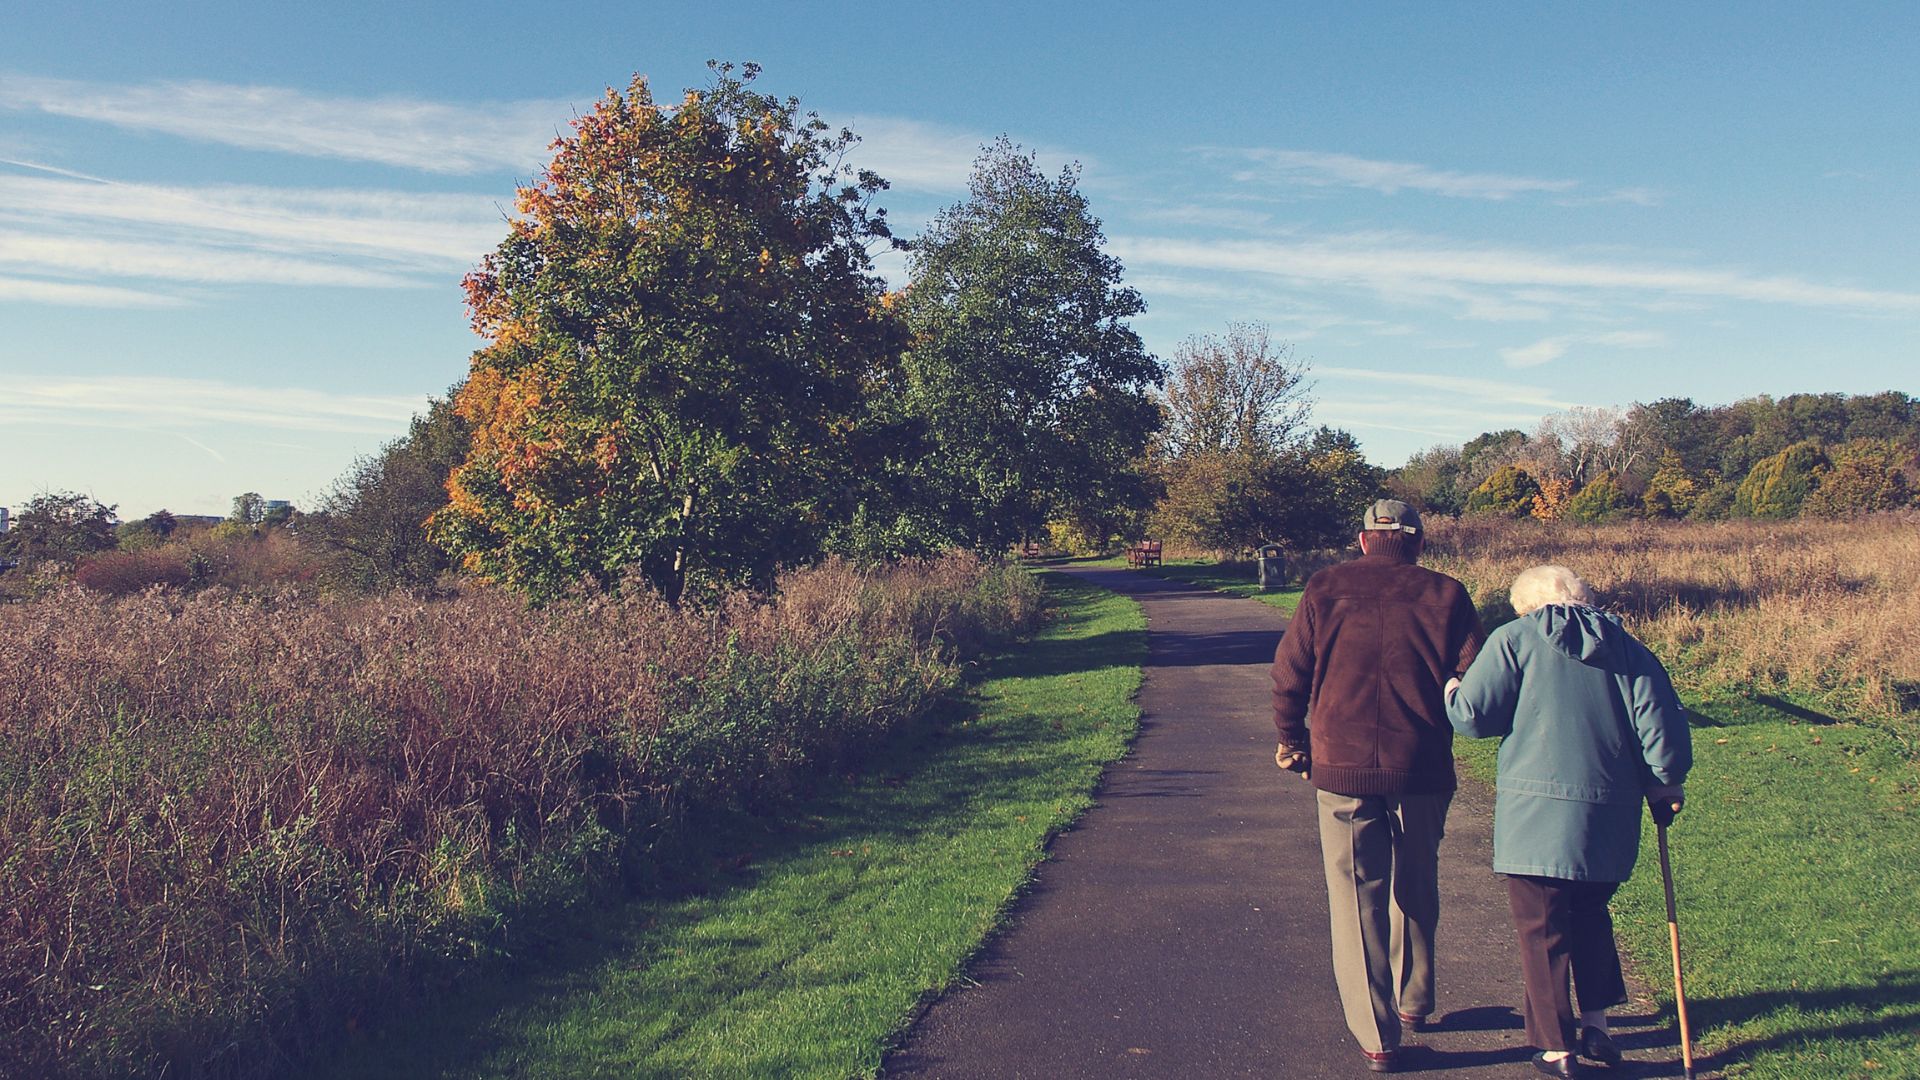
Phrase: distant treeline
x=1821 y=455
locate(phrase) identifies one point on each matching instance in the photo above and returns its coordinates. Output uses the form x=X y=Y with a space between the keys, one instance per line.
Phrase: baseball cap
x=1391 y=515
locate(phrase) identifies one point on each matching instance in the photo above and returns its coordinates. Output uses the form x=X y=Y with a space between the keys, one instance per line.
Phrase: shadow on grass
x=1797 y=711
x=1888 y=1007
x=927 y=780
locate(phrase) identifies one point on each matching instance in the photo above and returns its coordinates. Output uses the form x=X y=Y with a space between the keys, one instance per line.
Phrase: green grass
x=1236 y=579
x=1796 y=865
x=800 y=944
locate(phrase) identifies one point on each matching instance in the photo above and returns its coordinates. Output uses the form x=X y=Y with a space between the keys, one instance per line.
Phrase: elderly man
x=1357 y=699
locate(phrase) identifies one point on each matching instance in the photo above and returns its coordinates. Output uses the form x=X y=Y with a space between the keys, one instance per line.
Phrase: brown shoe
x=1414 y=1023
x=1382 y=1061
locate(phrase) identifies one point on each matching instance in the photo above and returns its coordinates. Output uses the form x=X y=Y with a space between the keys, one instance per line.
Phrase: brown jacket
x=1366 y=655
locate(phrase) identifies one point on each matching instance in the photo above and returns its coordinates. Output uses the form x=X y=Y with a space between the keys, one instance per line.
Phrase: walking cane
x=1673 y=935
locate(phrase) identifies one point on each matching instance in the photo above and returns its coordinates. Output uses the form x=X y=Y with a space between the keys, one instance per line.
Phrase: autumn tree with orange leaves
x=685 y=341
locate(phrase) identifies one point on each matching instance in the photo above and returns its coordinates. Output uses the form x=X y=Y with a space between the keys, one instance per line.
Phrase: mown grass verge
x=1233 y=578
x=802 y=943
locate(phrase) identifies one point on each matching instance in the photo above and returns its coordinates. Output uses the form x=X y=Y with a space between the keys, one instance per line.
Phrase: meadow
x=237 y=825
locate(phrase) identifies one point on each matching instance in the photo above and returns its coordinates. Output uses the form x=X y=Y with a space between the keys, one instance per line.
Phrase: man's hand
x=1664 y=801
x=1292 y=760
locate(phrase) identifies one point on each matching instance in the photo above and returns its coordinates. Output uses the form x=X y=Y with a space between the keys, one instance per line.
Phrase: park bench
x=1144 y=553
x=1029 y=551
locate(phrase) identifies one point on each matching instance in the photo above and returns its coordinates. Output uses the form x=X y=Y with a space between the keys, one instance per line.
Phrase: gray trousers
x=1382 y=856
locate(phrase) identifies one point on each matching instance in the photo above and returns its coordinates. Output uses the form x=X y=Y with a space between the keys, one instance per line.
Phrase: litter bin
x=1273 y=568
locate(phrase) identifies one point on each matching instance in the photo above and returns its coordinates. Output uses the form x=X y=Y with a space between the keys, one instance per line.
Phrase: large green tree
x=684 y=337
x=1030 y=384
x=58 y=526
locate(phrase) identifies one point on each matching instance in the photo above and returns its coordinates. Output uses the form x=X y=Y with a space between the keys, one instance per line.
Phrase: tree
x=1779 y=483
x=1430 y=481
x=373 y=522
x=1868 y=476
x=1031 y=387
x=1340 y=484
x=685 y=337
x=61 y=527
x=1672 y=491
x=248 y=509
x=1509 y=492
x=1600 y=500
x=1486 y=453
x=149 y=532
x=1234 y=392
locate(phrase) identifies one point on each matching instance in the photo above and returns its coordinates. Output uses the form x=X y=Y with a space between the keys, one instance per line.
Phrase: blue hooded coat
x=1590 y=721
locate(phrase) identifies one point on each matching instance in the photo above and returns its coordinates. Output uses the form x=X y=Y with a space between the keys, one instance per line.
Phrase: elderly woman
x=1592 y=728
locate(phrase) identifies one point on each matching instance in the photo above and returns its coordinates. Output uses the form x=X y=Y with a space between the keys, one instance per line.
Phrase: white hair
x=1543 y=585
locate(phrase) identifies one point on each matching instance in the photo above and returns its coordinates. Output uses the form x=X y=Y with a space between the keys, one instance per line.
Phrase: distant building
x=5 y=521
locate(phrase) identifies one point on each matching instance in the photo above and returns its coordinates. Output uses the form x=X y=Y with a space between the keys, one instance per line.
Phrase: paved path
x=1181 y=929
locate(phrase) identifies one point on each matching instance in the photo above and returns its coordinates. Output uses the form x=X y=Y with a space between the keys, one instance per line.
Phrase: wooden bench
x=1144 y=553
x=1030 y=551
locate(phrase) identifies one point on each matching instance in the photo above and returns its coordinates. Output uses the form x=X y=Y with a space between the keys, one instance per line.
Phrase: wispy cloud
x=432 y=228
x=915 y=155
x=1488 y=391
x=1314 y=168
x=76 y=294
x=410 y=133
x=208 y=264
x=1547 y=350
x=918 y=156
x=68 y=238
x=169 y=403
x=1408 y=269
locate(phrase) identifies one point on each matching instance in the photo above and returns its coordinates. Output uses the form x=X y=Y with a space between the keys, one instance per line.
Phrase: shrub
x=1509 y=492
x=1777 y=485
x=1601 y=500
x=1868 y=476
x=118 y=573
x=234 y=822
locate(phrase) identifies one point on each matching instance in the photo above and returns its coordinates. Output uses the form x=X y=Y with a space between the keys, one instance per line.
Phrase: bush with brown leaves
x=229 y=821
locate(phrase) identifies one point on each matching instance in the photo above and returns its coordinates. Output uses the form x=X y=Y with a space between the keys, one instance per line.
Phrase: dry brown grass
x=225 y=820
x=1829 y=609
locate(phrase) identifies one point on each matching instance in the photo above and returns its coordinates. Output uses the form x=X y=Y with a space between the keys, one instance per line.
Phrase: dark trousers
x=1564 y=924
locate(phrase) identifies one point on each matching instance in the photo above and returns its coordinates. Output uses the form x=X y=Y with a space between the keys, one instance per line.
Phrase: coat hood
x=1584 y=633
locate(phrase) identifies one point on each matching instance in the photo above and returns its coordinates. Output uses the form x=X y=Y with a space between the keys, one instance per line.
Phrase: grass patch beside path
x=800 y=945
x=1236 y=579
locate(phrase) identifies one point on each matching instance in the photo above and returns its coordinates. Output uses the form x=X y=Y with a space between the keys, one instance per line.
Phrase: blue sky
x=231 y=236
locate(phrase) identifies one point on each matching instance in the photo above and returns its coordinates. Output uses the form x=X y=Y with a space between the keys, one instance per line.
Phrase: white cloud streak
x=89 y=233
x=1547 y=350
x=1400 y=269
x=1314 y=168
x=160 y=402
x=73 y=294
x=423 y=228
x=404 y=132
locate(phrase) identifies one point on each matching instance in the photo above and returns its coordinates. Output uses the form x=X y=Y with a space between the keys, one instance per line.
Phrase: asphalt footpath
x=1180 y=929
